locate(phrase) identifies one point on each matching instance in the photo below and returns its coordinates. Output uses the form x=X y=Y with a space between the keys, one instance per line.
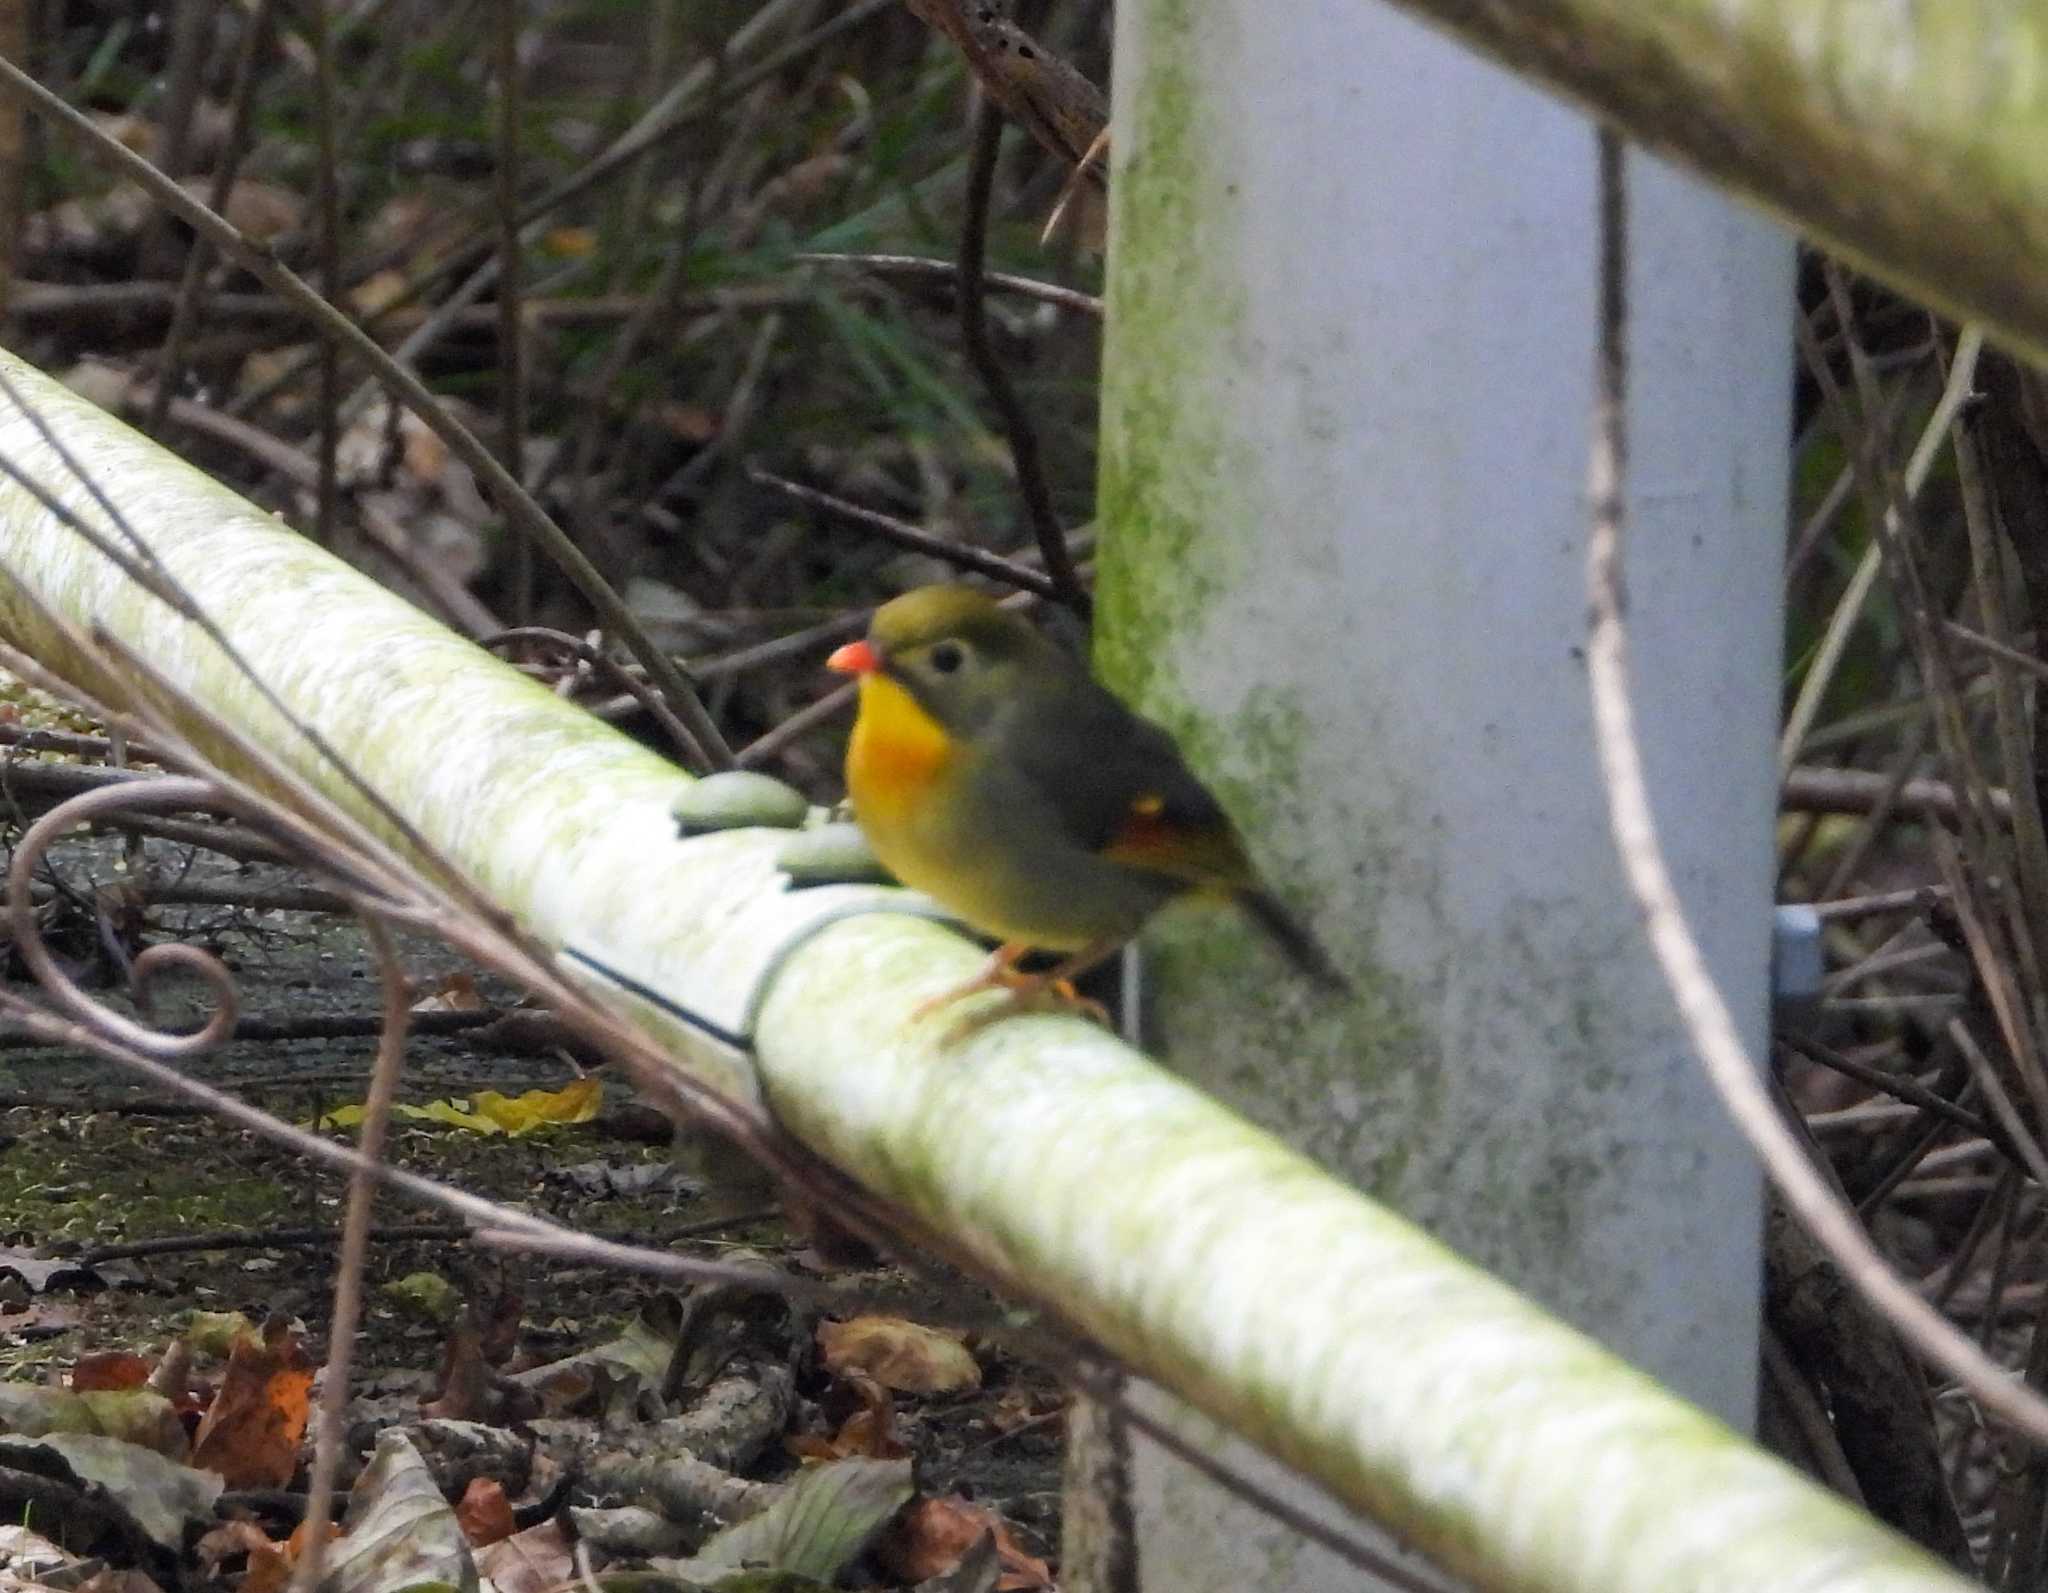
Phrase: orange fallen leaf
x=898 y=1354
x=933 y=1535
x=110 y=1369
x=250 y=1434
x=485 y=1514
x=270 y=1571
x=456 y=993
x=271 y=1564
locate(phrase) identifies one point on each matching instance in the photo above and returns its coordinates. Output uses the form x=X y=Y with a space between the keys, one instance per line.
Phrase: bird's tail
x=1302 y=948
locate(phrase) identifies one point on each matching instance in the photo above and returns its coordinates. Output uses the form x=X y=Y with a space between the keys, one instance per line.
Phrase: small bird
x=989 y=771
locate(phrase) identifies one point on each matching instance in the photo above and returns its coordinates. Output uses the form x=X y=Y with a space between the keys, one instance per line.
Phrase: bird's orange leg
x=1000 y=972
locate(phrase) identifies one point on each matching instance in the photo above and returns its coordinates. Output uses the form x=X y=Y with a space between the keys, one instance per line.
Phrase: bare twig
x=1816 y=790
x=798 y=725
x=1898 y=1085
x=676 y=109
x=906 y=535
x=1821 y=673
x=269 y=1239
x=327 y=244
x=1031 y=482
x=590 y=654
x=511 y=292
x=1850 y=907
x=923 y=268
x=355 y=1249
x=191 y=293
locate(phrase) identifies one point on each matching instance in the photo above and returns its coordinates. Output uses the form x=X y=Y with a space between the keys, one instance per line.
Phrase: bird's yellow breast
x=897 y=754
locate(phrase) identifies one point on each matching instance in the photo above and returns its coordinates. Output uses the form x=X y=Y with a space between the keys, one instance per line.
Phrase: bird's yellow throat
x=897 y=751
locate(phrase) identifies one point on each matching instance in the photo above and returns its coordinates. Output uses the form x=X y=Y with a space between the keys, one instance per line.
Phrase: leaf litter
x=506 y=1419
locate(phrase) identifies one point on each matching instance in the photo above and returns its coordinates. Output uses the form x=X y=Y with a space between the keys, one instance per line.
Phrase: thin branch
x=511 y=292
x=1997 y=649
x=1817 y=790
x=270 y=1239
x=355 y=1250
x=1899 y=1086
x=906 y=535
x=921 y=267
x=327 y=242
x=191 y=295
x=1031 y=482
x=1821 y=673
x=1917 y=899
x=796 y=726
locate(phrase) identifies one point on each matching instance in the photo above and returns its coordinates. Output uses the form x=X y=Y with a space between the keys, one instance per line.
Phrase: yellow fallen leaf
x=576 y=1102
x=489 y=1112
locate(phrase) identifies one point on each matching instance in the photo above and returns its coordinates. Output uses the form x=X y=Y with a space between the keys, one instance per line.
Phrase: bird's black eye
x=948 y=656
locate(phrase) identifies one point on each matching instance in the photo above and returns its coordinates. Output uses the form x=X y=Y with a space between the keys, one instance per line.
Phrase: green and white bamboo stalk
x=1913 y=139
x=1340 y=1338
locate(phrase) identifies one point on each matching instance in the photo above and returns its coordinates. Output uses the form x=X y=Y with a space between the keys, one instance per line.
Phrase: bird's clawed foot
x=1054 y=988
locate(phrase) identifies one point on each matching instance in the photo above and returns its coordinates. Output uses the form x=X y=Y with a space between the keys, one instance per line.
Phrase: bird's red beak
x=855 y=658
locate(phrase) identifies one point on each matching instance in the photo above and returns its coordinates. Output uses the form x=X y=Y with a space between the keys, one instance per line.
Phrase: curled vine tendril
x=156 y=794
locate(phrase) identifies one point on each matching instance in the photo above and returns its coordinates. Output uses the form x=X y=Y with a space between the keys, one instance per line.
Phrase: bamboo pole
x=1352 y=1346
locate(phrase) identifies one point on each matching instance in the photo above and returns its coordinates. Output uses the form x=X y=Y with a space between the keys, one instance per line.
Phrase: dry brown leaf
x=110 y=1369
x=464 y=1391
x=485 y=1514
x=470 y=1389
x=229 y=1539
x=869 y=1431
x=271 y=1564
x=262 y=210
x=1054 y=102
x=378 y=291
x=270 y=1570
x=250 y=1434
x=116 y=1580
x=1020 y=1408
x=898 y=1354
x=538 y=1560
x=458 y=992
x=931 y=1537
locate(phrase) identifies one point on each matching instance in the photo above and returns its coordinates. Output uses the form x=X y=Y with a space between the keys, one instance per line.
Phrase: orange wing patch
x=1148 y=839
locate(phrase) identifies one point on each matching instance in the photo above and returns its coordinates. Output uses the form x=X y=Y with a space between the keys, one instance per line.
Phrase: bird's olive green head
x=960 y=655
